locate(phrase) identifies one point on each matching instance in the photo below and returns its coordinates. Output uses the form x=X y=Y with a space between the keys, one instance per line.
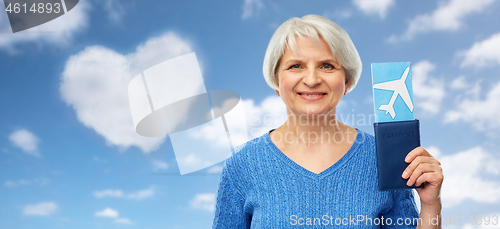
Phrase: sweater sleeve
x=229 y=208
x=404 y=212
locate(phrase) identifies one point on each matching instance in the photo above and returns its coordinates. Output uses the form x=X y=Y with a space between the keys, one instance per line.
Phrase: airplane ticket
x=392 y=92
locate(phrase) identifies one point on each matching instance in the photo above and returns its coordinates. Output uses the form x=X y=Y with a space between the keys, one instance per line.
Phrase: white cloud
x=374 y=7
x=116 y=193
x=483 y=53
x=434 y=151
x=215 y=169
x=98 y=159
x=95 y=84
x=109 y=193
x=158 y=164
x=270 y=114
x=251 y=7
x=237 y=131
x=488 y=221
x=337 y=14
x=58 y=32
x=25 y=140
x=204 y=201
x=481 y=113
x=191 y=160
x=40 y=181
x=41 y=209
x=123 y=221
x=459 y=83
x=112 y=213
x=465 y=174
x=465 y=88
x=108 y=213
x=9 y=183
x=427 y=90
x=448 y=16
x=156 y=50
x=115 y=10
x=141 y=194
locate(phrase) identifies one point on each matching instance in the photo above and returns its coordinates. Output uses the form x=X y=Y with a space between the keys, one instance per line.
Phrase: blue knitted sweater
x=260 y=187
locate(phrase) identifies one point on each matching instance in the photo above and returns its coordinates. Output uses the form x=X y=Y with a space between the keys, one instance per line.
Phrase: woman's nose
x=311 y=78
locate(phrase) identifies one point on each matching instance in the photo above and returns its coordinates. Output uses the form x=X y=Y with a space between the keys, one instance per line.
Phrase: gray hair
x=312 y=26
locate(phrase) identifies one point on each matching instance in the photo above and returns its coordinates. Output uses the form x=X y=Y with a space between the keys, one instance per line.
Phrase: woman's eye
x=328 y=66
x=295 y=66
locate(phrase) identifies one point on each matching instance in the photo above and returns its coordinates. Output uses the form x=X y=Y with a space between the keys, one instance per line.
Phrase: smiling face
x=311 y=81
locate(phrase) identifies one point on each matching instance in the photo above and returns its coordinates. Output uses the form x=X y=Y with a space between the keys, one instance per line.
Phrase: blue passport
x=396 y=130
x=394 y=140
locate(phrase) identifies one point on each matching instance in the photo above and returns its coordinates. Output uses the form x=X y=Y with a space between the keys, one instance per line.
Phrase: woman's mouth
x=312 y=96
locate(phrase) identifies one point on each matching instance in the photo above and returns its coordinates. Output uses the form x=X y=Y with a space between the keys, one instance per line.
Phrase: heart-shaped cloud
x=95 y=84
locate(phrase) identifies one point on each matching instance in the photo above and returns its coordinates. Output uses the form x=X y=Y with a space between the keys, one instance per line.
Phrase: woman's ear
x=346 y=86
x=277 y=84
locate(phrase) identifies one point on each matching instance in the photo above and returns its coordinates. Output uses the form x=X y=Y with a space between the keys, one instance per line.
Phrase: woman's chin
x=314 y=112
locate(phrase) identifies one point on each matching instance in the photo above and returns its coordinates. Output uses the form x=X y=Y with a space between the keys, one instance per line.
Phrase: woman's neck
x=314 y=131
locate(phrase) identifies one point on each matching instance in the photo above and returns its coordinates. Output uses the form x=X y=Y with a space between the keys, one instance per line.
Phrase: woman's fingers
x=416 y=162
x=435 y=177
x=419 y=151
x=424 y=173
x=422 y=168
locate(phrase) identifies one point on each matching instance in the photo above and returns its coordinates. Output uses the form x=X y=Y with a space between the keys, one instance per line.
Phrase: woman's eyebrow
x=329 y=61
x=321 y=61
x=293 y=61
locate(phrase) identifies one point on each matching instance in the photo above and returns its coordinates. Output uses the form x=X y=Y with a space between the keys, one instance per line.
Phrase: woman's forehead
x=306 y=46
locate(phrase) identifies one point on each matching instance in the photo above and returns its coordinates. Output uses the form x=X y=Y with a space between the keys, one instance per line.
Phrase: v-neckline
x=307 y=172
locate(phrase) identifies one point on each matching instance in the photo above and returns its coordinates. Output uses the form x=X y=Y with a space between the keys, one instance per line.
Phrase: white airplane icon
x=399 y=88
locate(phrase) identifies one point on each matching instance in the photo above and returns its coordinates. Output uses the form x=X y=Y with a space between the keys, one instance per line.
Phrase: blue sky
x=69 y=157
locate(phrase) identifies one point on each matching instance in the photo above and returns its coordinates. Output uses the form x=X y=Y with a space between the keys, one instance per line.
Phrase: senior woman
x=315 y=171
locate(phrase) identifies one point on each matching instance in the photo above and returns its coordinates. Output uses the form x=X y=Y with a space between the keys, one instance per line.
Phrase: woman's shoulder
x=251 y=148
x=244 y=161
x=249 y=152
x=365 y=140
x=364 y=146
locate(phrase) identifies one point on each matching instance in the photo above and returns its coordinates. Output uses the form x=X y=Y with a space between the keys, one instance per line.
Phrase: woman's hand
x=424 y=168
